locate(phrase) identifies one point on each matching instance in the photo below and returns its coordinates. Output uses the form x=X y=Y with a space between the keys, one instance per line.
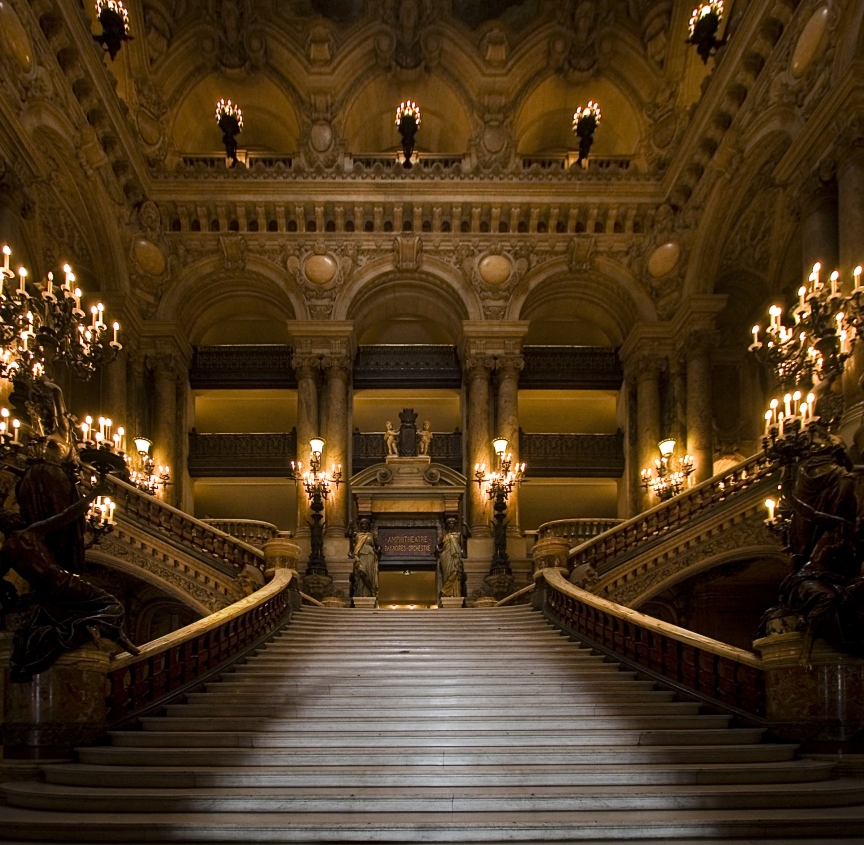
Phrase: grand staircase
x=420 y=726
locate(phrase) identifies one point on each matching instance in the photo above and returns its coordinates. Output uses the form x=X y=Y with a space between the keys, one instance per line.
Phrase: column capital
x=509 y=365
x=647 y=346
x=306 y=365
x=478 y=366
x=337 y=364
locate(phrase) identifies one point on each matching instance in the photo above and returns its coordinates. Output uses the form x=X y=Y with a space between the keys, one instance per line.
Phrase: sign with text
x=407 y=542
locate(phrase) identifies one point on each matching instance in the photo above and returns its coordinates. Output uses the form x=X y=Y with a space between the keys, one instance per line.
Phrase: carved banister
x=712 y=670
x=179 y=659
x=601 y=552
x=181 y=529
x=576 y=530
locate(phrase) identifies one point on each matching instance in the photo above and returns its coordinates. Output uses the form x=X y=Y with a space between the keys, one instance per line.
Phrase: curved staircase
x=446 y=725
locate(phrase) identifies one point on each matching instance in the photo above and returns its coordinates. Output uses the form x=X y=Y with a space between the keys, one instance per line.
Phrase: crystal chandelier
x=669 y=477
x=115 y=26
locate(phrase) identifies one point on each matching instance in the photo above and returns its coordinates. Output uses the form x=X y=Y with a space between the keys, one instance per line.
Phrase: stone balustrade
x=252 y=531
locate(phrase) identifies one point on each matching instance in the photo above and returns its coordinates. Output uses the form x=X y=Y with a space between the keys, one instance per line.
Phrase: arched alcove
x=445 y=125
x=270 y=121
x=545 y=120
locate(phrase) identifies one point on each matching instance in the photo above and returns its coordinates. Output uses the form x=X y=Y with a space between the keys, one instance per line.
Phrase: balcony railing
x=571 y=368
x=407 y=366
x=243 y=367
x=572 y=455
x=241 y=455
x=577 y=531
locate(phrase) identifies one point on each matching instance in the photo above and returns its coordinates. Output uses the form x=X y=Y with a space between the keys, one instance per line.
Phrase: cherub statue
x=390 y=439
x=424 y=438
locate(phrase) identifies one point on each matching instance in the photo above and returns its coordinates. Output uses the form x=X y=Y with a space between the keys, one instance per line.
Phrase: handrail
x=182 y=657
x=309 y=600
x=676 y=512
x=516 y=595
x=730 y=676
x=576 y=529
x=192 y=534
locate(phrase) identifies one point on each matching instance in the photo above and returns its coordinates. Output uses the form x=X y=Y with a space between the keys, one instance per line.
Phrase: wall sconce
x=229 y=117
x=704 y=25
x=408 y=122
x=585 y=123
x=115 y=26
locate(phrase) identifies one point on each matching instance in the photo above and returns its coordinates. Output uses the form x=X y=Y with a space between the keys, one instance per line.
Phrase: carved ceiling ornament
x=238 y=42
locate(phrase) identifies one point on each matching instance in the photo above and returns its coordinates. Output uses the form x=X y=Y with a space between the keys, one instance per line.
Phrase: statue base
x=366 y=602
x=451 y=601
x=818 y=702
x=59 y=709
x=334 y=601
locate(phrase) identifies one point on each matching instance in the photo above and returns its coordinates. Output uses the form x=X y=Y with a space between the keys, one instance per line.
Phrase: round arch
x=207 y=294
x=606 y=299
x=445 y=122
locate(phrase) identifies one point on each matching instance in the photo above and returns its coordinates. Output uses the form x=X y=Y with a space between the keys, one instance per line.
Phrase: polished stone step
x=152 y=777
x=705 y=827
x=377 y=800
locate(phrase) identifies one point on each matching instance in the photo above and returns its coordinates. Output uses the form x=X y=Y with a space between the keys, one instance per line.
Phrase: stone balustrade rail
x=723 y=516
x=252 y=531
x=730 y=676
x=181 y=658
x=203 y=541
x=576 y=530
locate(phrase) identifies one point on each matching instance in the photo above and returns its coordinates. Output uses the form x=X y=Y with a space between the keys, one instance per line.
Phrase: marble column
x=478 y=447
x=307 y=368
x=165 y=420
x=819 y=228
x=116 y=403
x=337 y=369
x=700 y=411
x=647 y=416
x=507 y=422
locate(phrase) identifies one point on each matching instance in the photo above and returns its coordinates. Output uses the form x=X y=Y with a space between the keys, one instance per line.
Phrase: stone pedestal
x=366 y=602
x=550 y=553
x=819 y=703
x=452 y=601
x=60 y=708
x=485 y=601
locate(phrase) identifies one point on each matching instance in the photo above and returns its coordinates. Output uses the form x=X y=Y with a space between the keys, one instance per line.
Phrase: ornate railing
x=183 y=530
x=237 y=455
x=251 y=531
x=627 y=539
x=712 y=670
x=407 y=365
x=263 y=367
x=577 y=531
x=571 y=367
x=572 y=455
x=393 y=161
x=176 y=661
x=567 y=160
x=369 y=450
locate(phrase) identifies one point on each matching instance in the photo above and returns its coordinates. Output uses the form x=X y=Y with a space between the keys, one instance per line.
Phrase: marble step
x=181 y=733
x=375 y=800
x=393 y=671
x=443 y=662
x=426 y=652
x=264 y=754
x=702 y=827
x=588 y=774
x=271 y=720
x=661 y=702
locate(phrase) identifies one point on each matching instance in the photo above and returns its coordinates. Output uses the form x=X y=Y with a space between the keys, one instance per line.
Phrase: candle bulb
x=755 y=344
x=6 y=253
x=780 y=420
x=15 y=426
x=116 y=328
x=787 y=404
x=767 y=422
x=22 y=276
x=816 y=283
x=50 y=292
x=835 y=283
x=771 y=505
x=857 y=274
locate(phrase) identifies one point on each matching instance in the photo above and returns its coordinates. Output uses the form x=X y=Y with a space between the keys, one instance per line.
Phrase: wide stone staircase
x=443 y=725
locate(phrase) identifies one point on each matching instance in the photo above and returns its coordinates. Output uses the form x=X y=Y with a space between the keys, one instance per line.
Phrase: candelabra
x=42 y=325
x=115 y=26
x=499 y=484
x=811 y=354
x=144 y=472
x=704 y=25
x=585 y=123
x=317 y=485
x=229 y=117
x=669 y=476
x=408 y=122
x=99 y=520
